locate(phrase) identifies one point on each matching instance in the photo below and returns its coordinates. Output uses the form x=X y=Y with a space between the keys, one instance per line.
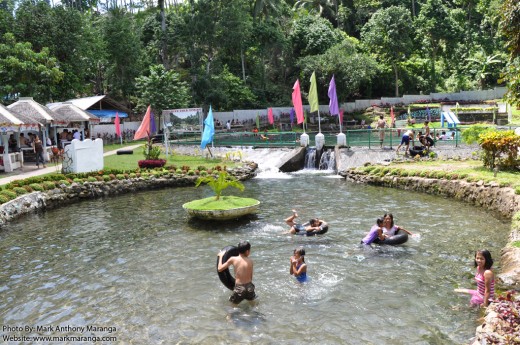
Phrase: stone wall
x=64 y=195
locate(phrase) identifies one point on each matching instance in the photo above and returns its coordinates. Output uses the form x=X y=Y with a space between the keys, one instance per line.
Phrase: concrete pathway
x=30 y=169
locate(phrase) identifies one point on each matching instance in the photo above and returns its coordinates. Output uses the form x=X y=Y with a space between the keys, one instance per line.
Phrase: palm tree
x=481 y=64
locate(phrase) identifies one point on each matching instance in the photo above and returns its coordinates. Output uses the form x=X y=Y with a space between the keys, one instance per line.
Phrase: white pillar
x=304 y=140
x=320 y=141
x=342 y=140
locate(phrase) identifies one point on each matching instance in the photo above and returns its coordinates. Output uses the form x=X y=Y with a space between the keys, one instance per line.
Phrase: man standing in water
x=243 y=267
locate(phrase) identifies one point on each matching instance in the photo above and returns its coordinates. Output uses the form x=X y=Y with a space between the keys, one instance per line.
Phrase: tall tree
x=435 y=27
x=25 y=72
x=510 y=26
x=388 y=35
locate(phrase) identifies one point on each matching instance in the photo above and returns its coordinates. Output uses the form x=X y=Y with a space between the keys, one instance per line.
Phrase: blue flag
x=209 y=130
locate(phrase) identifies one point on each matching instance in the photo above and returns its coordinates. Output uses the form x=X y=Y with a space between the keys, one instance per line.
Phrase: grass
x=129 y=162
x=227 y=202
x=515 y=116
x=474 y=170
x=112 y=147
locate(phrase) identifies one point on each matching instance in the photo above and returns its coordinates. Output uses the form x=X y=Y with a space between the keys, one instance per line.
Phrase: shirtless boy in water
x=243 y=267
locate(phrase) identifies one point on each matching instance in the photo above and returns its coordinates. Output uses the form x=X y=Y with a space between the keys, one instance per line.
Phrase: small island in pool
x=221 y=207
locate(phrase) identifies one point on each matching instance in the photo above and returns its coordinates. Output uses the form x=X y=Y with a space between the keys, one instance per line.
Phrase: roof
x=72 y=112
x=102 y=102
x=34 y=111
x=7 y=118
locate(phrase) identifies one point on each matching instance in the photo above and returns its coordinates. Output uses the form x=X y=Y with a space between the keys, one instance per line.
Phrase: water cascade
x=320 y=159
x=327 y=160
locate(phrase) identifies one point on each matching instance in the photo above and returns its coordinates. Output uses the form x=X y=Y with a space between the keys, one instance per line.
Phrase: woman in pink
x=485 y=279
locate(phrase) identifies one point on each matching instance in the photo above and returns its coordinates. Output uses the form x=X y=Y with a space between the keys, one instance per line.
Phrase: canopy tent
x=101 y=106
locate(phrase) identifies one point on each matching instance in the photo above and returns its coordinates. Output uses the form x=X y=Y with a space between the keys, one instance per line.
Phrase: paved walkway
x=31 y=170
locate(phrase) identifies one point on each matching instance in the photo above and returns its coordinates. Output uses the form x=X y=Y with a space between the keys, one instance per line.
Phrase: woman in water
x=485 y=279
x=298 y=265
x=389 y=228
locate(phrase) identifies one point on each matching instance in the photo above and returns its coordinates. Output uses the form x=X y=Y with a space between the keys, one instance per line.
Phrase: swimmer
x=298 y=266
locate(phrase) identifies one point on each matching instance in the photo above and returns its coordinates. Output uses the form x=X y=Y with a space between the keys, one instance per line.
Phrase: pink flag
x=270 y=116
x=297 y=102
x=118 y=125
x=392 y=113
x=341 y=111
x=144 y=129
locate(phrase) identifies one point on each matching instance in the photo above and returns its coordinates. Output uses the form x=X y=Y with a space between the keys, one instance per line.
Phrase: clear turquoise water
x=137 y=263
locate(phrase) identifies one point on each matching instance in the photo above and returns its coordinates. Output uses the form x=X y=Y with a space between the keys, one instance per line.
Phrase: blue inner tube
x=225 y=276
x=399 y=238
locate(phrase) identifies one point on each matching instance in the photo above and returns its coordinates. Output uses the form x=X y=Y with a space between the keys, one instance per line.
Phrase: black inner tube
x=225 y=276
x=399 y=238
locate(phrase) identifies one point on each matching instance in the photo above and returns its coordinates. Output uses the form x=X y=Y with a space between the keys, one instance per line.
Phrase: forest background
x=241 y=54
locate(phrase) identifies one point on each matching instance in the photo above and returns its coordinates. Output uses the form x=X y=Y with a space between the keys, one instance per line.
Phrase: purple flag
x=333 y=104
x=153 y=129
x=291 y=115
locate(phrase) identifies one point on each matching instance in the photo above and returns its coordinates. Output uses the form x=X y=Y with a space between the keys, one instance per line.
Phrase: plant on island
x=219 y=206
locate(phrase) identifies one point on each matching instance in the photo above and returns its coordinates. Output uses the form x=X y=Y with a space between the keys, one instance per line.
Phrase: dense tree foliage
x=241 y=54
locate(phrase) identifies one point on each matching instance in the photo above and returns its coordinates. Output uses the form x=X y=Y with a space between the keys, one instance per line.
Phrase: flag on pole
x=257 y=121
x=291 y=115
x=428 y=115
x=144 y=129
x=117 y=122
x=333 y=103
x=297 y=102
x=153 y=128
x=392 y=115
x=409 y=113
x=209 y=130
x=313 y=94
x=341 y=112
x=270 y=116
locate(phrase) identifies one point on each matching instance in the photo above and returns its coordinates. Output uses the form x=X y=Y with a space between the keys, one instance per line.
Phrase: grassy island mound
x=224 y=203
x=227 y=207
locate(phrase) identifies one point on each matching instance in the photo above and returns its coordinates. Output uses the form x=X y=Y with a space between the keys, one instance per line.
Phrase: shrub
x=201 y=167
x=112 y=176
x=3 y=199
x=48 y=185
x=439 y=174
x=463 y=176
x=500 y=149
x=203 y=173
x=385 y=170
x=178 y=171
x=394 y=172
x=106 y=178
x=191 y=172
x=132 y=175
x=65 y=182
x=517 y=190
x=9 y=194
x=28 y=188
x=91 y=179
x=120 y=176
x=78 y=180
x=423 y=173
x=151 y=163
x=37 y=187
x=403 y=173
x=19 y=190
x=375 y=171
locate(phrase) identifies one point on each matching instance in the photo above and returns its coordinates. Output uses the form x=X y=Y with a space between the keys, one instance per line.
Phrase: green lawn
x=129 y=162
x=112 y=147
x=474 y=169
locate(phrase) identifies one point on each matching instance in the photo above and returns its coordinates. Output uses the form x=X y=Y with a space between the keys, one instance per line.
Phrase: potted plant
x=151 y=156
x=221 y=207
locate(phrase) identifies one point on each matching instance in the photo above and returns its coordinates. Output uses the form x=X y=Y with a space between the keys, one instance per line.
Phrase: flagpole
x=319 y=121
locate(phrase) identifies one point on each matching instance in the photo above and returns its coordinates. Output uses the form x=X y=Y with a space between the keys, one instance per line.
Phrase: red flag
x=144 y=129
x=341 y=112
x=118 y=125
x=270 y=116
x=392 y=114
x=297 y=102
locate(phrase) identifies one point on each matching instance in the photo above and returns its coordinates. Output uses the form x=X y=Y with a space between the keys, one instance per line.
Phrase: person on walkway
x=38 y=149
x=407 y=137
x=485 y=279
x=298 y=266
x=381 y=125
x=243 y=267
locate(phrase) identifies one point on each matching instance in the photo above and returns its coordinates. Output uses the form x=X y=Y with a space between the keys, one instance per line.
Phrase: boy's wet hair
x=313 y=220
x=243 y=247
x=379 y=221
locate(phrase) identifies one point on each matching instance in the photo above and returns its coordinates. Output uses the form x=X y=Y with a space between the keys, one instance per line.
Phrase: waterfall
x=328 y=160
x=310 y=158
x=267 y=160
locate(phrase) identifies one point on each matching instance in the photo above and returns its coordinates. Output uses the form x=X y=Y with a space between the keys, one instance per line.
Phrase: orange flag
x=144 y=129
